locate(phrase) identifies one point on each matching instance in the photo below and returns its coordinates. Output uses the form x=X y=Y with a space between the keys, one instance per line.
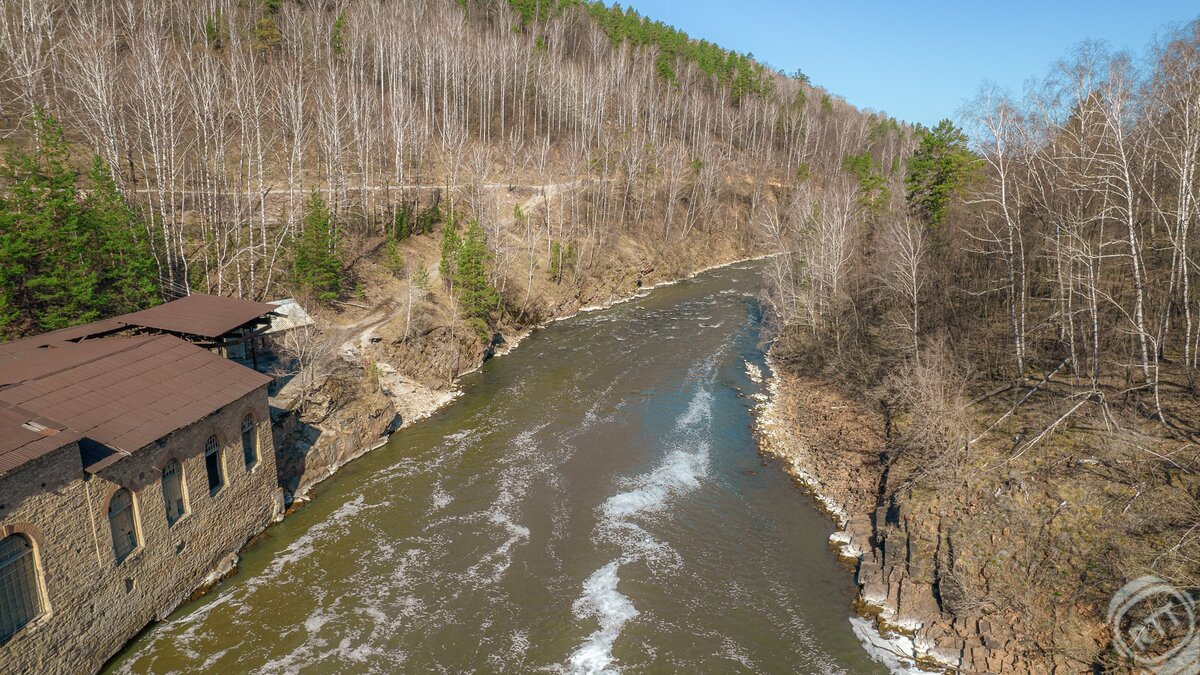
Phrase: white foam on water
x=317 y=619
x=304 y=545
x=491 y=567
x=212 y=659
x=388 y=610
x=601 y=600
x=699 y=410
x=734 y=652
x=799 y=633
x=236 y=596
x=680 y=472
x=378 y=616
x=441 y=499
x=362 y=634
x=592 y=415
x=524 y=463
x=288 y=663
x=440 y=461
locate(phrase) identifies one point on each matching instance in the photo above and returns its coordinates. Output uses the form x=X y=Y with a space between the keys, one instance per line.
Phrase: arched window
x=249 y=442
x=120 y=519
x=20 y=594
x=172 y=486
x=212 y=463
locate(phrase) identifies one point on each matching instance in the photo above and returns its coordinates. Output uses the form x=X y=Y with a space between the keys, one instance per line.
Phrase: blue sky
x=917 y=60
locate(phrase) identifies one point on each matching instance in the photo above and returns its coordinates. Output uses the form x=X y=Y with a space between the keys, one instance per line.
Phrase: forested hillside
x=1022 y=306
x=219 y=121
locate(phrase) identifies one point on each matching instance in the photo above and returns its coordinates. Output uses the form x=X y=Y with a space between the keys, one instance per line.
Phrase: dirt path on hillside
x=551 y=188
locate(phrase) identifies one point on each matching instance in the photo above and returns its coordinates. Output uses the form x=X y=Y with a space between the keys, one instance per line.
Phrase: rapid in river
x=594 y=502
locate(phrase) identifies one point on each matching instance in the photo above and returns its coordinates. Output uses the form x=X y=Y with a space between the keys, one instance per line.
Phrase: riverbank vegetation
x=1023 y=308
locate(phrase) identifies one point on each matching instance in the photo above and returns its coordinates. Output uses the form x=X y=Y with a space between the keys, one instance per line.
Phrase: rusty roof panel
x=57 y=397
x=124 y=387
x=38 y=447
x=121 y=425
x=133 y=392
x=15 y=348
x=44 y=363
x=198 y=314
x=201 y=315
x=39 y=388
x=21 y=442
x=55 y=412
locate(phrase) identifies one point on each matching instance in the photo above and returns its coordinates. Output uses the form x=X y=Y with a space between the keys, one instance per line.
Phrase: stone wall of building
x=97 y=604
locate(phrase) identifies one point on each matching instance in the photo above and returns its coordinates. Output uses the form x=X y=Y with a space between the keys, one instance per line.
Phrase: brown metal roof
x=125 y=393
x=209 y=316
x=96 y=328
x=25 y=436
x=47 y=361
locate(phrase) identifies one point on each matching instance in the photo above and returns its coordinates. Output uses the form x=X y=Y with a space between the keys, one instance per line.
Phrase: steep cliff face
x=349 y=414
x=906 y=551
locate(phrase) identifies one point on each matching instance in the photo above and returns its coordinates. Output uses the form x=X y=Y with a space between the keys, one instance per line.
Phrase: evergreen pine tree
x=402 y=222
x=337 y=38
x=476 y=293
x=937 y=170
x=124 y=263
x=873 y=191
x=318 y=256
x=46 y=281
x=393 y=258
x=449 y=249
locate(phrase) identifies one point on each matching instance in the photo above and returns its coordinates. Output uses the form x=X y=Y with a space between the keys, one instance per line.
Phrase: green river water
x=594 y=502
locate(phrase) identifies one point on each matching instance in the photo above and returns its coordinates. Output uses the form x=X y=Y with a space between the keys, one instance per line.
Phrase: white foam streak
x=236 y=596
x=303 y=546
x=440 y=498
x=513 y=485
x=317 y=619
x=601 y=600
x=680 y=472
x=699 y=410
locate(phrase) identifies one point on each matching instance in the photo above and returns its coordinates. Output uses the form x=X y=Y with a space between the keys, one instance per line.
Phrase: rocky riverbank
x=836 y=447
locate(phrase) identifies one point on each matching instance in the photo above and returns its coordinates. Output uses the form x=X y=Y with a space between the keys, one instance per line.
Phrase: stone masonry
x=93 y=604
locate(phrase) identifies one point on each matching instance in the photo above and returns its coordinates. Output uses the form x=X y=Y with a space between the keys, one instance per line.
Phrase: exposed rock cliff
x=904 y=555
x=345 y=418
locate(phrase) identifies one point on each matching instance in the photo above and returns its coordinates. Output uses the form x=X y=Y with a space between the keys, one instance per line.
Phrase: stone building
x=133 y=467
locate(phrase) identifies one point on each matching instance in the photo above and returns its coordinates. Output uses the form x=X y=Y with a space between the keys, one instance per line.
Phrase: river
x=594 y=502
